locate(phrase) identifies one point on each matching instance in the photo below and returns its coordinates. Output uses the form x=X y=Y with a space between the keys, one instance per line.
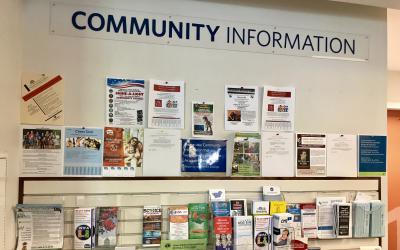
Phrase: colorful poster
x=125 y=102
x=203 y=155
x=42 y=100
x=372 y=155
x=42 y=150
x=123 y=151
x=202 y=118
x=83 y=155
x=246 y=154
x=166 y=104
x=311 y=155
x=278 y=109
x=241 y=108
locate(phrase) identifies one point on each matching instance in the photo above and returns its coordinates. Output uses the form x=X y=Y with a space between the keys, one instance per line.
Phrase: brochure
x=246 y=154
x=262 y=232
x=243 y=232
x=152 y=219
x=107 y=226
x=220 y=208
x=198 y=220
x=238 y=207
x=178 y=223
x=125 y=102
x=223 y=233
x=84 y=236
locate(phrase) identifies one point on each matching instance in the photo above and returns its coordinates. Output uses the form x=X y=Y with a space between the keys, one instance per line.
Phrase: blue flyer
x=203 y=155
x=372 y=155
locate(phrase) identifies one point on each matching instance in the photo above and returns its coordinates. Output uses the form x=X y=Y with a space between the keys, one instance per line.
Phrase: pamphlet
x=243 y=232
x=84 y=236
x=162 y=149
x=260 y=207
x=278 y=154
x=198 y=220
x=277 y=207
x=123 y=151
x=203 y=155
x=125 y=102
x=283 y=230
x=262 y=232
x=372 y=155
x=152 y=219
x=83 y=155
x=42 y=99
x=341 y=155
x=309 y=220
x=241 y=108
x=343 y=220
x=166 y=104
x=42 y=150
x=278 y=109
x=107 y=226
x=238 y=207
x=246 y=154
x=178 y=223
x=326 y=216
x=223 y=233
x=202 y=119
x=311 y=155
x=220 y=208
x=40 y=226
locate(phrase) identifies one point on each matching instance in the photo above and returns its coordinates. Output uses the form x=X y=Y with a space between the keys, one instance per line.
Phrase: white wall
x=10 y=51
x=332 y=96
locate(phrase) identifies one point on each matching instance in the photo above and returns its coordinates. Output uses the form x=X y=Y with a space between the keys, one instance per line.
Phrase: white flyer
x=42 y=150
x=125 y=102
x=326 y=216
x=241 y=108
x=341 y=155
x=166 y=104
x=311 y=155
x=278 y=109
x=202 y=119
x=162 y=151
x=277 y=154
x=25 y=230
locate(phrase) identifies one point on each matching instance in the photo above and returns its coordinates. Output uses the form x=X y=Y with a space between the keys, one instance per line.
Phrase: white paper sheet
x=278 y=108
x=326 y=216
x=341 y=155
x=311 y=155
x=166 y=104
x=241 y=108
x=277 y=154
x=42 y=150
x=125 y=102
x=162 y=151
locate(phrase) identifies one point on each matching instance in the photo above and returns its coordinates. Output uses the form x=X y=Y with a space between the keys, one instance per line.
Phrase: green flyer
x=195 y=244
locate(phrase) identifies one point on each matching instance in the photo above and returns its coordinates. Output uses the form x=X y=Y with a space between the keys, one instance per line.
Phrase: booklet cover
x=152 y=219
x=262 y=232
x=198 y=220
x=223 y=233
x=178 y=223
x=238 y=207
x=84 y=233
x=246 y=154
x=107 y=226
x=203 y=155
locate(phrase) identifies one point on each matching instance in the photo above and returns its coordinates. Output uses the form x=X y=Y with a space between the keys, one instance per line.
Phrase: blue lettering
x=135 y=26
x=213 y=32
x=154 y=28
x=236 y=33
x=176 y=30
x=198 y=26
x=91 y=22
x=73 y=19
x=116 y=27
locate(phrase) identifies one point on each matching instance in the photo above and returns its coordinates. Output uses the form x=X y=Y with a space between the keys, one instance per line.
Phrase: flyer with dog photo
x=202 y=119
x=241 y=108
x=123 y=151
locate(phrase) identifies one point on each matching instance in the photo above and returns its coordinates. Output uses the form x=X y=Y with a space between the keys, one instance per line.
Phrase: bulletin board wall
x=332 y=96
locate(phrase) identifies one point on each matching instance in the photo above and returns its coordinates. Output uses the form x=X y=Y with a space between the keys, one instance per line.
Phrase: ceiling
x=394 y=4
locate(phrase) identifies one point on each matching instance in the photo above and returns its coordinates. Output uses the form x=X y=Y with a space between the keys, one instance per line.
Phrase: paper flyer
x=83 y=155
x=152 y=220
x=123 y=151
x=341 y=155
x=40 y=226
x=278 y=154
x=166 y=104
x=107 y=226
x=223 y=231
x=243 y=232
x=278 y=109
x=193 y=244
x=372 y=155
x=125 y=102
x=202 y=119
x=42 y=99
x=241 y=108
x=246 y=154
x=42 y=150
x=325 y=216
x=162 y=147
x=84 y=228
x=199 y=216
x=238 y=207
x=203 y=155
x=178 y=223
x=311 y=155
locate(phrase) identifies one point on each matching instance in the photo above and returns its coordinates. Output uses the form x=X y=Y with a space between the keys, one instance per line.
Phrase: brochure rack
x=131 y=194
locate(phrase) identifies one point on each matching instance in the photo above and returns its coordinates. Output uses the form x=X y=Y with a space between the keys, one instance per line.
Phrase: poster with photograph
x=246 y=154
x=241 y=108
x=166 y=104
x=42 y=150
x=42 y=99
x=125 y=102
x=278 y=109
x=123 y=151
x=311 y=155
x=203 y=155
x=202 y=119
x=83 y=151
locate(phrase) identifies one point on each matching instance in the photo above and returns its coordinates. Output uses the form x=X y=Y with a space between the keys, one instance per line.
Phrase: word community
x=161 y=28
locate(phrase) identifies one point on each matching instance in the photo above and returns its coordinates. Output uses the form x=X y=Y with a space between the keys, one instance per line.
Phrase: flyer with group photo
x=42 y=99
x=166 y=104
x=241 y=108
x=125 y=102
